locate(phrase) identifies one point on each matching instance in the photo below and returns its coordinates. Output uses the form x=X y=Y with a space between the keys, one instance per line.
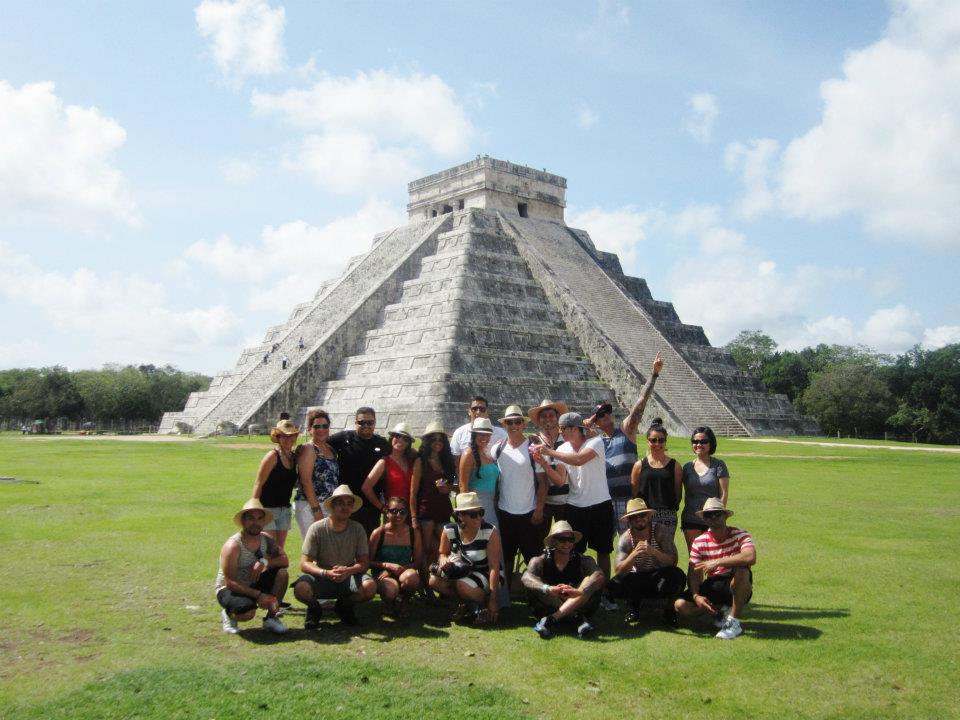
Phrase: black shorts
x=716 y=589
x=241 y=604
x=324 y=588
x=596 y=524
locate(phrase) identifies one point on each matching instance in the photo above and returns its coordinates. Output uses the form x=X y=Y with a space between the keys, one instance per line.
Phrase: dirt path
x=855 y=445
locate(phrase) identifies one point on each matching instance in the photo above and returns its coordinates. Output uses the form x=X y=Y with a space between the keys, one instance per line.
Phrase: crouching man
x=335 y=556
x=253 y=572
x=720 y=578
x=563 y=586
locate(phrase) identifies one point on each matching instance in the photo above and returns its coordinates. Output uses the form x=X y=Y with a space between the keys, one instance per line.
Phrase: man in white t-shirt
x=521 y=493
x=589 y=507
x=460 y=442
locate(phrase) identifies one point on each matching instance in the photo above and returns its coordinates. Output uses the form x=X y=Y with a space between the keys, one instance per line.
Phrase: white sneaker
x=228 y=623
x=608 y=603
x=730 y=629
x=274 y=625
x=721 y=619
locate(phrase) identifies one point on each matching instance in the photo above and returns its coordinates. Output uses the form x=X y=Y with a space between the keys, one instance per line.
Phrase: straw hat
x=482 y=425
x=284 y=427
x=560 y=527
x=713 y=504
x=637 y=507
x=435 y=428
x=513 y=412
x=253 y=504
x=468 y=501
x=559 y=407
x=403 y=430
x=342 y=491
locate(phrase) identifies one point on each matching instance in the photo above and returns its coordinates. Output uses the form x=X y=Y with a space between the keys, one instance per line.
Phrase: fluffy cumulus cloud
x=289 y=261
x=941 y=335
x=129 y=317
x=57 y=160
x=887 y=147
x=703 y=112
x=367 y=132
x=246 y=36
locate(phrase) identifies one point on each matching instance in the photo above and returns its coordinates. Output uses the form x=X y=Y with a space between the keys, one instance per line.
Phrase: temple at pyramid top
x=485 y=291
x=488 y=184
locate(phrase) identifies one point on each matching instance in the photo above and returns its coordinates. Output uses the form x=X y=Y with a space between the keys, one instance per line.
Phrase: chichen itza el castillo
x=484 y=291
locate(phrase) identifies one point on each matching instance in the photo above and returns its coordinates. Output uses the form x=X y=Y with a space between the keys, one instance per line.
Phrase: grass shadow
x=792 y=612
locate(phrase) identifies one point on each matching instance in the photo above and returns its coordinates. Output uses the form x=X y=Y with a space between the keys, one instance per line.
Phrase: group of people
x=454 y=517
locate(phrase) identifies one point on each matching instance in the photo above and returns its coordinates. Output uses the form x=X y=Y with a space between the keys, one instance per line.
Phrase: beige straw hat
x=559 y=407
x=252 y=504
x=560 y=527
x=713 y=504
x=284 y=427
x=637 y=506
x=342 y=491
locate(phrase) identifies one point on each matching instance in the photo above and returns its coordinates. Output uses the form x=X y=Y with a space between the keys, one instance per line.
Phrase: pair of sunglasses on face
x=471 y=514
x=396 y=511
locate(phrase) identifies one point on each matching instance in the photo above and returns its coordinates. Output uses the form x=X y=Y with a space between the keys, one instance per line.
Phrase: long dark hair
x=446 y=456
x=705 y=430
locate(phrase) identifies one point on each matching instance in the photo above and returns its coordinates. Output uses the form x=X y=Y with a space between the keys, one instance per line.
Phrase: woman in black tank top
x=276 y=478
x=658 y=478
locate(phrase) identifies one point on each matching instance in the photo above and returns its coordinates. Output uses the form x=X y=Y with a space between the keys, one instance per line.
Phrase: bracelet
x=546 y=588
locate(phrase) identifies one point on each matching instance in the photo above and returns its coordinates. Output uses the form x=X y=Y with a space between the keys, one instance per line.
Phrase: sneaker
x=312 y=620
x=584 y=630
x=721 y=619
x=273 y=624
x=344 y=611
x=730 y=629
x=608 y=603
x=542 y=629
x=228 y=623
x=632 y=616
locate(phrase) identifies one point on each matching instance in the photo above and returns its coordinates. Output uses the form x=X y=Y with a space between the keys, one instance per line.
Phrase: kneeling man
x=335 y=556
x=721 y=581
x=563 y=585
x=253 y=572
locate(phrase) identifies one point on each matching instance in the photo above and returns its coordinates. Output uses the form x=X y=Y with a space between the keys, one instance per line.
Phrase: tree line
x=110 y=395
x=856 y=392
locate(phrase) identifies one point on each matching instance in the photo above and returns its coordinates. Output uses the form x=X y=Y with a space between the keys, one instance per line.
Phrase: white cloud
x=288 y=263
x=618 y=231
x=892 y=329
x=887 y=147
x=755 y=159
x=695 y=219
x=21 y=353
x=128 y=317
x=367 y=132
x=587 y=117
x=941 y=335
x=703 y=113
x=246 y=36
x=56 y=160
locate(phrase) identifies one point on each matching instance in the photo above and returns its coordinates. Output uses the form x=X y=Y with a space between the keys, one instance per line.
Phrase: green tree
x=851 y=398
x=751 y=350
x=928 y=381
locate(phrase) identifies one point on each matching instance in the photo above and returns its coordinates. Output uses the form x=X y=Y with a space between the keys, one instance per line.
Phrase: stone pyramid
x=485 y=291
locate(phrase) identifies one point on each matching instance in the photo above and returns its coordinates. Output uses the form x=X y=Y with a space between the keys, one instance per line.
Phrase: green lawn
x=109 y=610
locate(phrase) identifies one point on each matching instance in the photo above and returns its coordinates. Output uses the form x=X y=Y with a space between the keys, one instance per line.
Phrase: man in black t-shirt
x=357 y=452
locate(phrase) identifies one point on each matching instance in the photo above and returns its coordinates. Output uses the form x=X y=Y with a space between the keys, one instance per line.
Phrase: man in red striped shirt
x=720 y=578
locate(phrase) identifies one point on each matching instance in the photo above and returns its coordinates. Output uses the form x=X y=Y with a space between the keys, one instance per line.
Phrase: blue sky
x=174 y=177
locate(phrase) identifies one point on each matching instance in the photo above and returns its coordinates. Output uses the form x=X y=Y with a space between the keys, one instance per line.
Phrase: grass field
x=108 y=606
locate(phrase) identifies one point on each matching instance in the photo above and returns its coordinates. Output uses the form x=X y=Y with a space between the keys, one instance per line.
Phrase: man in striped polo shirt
x=720 y=578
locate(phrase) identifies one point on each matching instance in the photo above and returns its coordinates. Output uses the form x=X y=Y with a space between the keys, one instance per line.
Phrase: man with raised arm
x=720 y=581
x=253 y=572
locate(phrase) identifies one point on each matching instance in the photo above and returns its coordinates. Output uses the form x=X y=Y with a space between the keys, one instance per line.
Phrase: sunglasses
x=564 y=539
x=320 y=426
x=434 y=438
x=513 y=422
x=471 y=514
x=397 y=511
x=656 y=440
x=700 y=442
x=342 y=501
x=366 y=423
x=478 y=408
x=712 y=513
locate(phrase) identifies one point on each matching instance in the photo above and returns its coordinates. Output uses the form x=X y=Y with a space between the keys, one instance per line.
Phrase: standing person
x=358 y=450
x=253 y=572
x=430 y=489
x=521 y=494
x=646 y=564
x=461 y=440
x=334 y=558
x=468 y=569
x=396 y=554
x=394 y=473
x=589 y=507
x=546 y=417
x=721 y=579
x=658 y=478
x=620 y=443
x=479 y=472
x=563 y=585
x=276 y=478
x=318 y=470
x=704 y=477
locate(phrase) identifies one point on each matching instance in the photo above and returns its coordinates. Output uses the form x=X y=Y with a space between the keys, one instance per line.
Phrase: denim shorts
x=282 y=516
